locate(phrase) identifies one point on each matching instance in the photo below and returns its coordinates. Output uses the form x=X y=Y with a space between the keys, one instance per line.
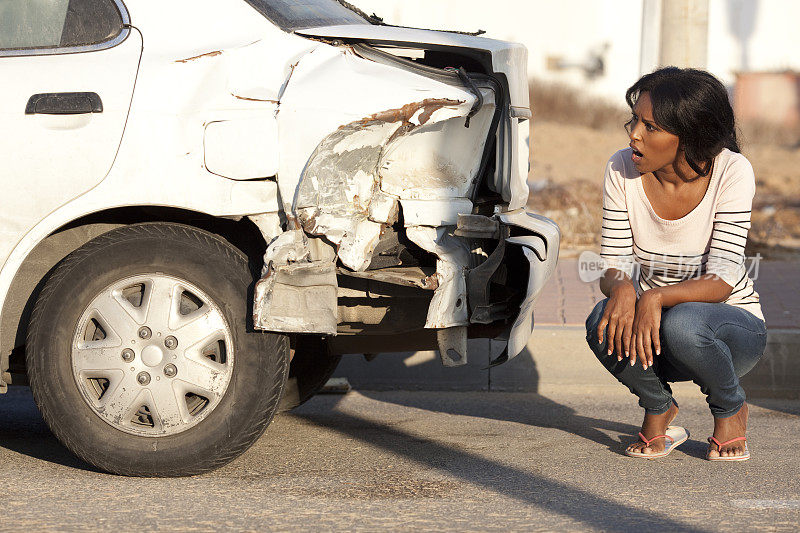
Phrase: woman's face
x=653 y=148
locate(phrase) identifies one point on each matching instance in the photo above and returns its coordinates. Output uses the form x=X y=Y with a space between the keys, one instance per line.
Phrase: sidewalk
x=566 y=300
x=557 y=354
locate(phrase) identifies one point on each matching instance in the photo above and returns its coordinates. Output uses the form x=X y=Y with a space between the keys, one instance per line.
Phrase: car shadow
x=531 y=409
x=523 y=486
x=520 y=375
x=22 y=430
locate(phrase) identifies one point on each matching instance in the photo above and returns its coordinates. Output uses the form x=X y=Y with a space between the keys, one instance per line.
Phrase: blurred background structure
x=602 y=46
x=584 y=54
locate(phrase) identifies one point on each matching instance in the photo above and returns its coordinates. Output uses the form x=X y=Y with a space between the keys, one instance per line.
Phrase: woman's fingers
x=601 y=328
x=639 y=349
x=612 y=330
x=618 y=339
x=647 y=356
x=634 y=348
x=626 y=339
x=654 y=335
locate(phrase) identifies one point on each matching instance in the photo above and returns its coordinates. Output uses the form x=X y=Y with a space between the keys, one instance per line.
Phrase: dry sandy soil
x=567 y=163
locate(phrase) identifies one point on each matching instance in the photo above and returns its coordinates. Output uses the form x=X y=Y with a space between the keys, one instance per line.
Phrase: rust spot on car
x=254 y=99
x=292 y=222
x=207 y=54
x=430 y=282
x=405 y=113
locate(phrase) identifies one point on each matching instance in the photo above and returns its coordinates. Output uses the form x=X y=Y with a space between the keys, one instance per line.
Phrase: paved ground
x=424 y=460
x=566 y=300
x=548 y=459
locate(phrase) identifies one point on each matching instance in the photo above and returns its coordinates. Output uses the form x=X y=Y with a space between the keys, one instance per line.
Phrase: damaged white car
x=207 y=202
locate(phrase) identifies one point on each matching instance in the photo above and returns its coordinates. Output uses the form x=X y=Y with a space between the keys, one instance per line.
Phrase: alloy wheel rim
x=152 y=355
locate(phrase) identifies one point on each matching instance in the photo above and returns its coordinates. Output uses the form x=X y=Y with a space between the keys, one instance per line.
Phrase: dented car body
x=371 y=177
x=419 y=157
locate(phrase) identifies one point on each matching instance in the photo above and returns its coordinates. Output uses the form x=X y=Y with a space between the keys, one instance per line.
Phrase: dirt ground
x=567 y=162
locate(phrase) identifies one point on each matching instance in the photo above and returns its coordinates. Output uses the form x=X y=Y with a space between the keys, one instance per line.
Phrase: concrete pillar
x=684 y=33
x=650 y=46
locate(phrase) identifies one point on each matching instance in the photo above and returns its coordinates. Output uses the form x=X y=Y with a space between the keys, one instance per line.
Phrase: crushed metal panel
x=448 y=306
x=444 y=212
x=374 y=126
x=383 y=208
x=332 y=87
x=477 y=227
x=288 y=247
x=341 y=182
x=422 y=277
x=356 y=247
x=439 y=159
x=299 y=297
x=335 y=194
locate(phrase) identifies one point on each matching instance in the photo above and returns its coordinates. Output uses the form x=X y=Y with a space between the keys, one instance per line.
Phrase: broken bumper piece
x=541 y=250
x=302 y=297
x=525 y=239
x=297 y=298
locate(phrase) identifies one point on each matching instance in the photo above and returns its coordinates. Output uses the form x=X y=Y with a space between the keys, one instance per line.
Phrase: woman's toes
x=713 y=453
x=732 y=452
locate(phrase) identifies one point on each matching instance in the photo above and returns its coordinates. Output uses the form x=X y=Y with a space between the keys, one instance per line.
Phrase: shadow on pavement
x=525 y=487
x=23 y=431
x=529 y=409
x=777 y=405
x=518 y=375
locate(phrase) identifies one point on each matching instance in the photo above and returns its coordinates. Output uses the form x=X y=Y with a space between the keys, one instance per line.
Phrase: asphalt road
x=427 y=461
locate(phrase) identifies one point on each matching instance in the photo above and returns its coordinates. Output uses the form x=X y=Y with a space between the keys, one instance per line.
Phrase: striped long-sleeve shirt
x=709 y=240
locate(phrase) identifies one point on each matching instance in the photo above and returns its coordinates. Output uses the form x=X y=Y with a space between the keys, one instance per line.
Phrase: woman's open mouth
x=636 y=155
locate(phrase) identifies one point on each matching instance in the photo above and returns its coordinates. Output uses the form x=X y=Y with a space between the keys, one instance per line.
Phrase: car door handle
x=64 y=104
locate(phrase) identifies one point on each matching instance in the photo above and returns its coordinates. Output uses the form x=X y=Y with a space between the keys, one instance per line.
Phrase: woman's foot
x=729 y=428
x=652 y=426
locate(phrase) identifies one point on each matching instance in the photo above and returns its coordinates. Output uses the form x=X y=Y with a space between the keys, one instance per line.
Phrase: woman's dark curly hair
x=693 y=105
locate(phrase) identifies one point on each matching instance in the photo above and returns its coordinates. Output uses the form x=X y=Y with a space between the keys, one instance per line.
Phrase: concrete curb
x=777 y=374
x=556 y=357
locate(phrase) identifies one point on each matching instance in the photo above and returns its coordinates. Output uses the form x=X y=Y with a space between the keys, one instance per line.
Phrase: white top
x=709 y=240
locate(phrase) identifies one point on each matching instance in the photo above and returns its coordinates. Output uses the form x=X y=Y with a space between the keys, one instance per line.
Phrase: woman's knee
x=684 y=326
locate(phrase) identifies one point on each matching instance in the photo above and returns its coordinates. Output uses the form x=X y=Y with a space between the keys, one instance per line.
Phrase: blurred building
x=603 y=46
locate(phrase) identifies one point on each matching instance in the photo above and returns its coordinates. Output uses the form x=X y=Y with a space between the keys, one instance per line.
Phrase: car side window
x=43 y=24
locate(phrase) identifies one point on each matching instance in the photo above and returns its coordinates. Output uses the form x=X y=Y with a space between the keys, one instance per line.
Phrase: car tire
x=312 y=366
x=189 y=390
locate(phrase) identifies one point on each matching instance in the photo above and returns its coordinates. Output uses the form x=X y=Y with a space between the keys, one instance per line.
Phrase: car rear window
x=299 y=14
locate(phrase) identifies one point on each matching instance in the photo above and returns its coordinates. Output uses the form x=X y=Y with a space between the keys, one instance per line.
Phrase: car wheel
x=141 y=355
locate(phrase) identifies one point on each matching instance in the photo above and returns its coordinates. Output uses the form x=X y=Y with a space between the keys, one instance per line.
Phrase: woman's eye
x=649 y=127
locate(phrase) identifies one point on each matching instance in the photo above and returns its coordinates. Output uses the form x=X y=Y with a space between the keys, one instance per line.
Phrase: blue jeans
x=711 y=344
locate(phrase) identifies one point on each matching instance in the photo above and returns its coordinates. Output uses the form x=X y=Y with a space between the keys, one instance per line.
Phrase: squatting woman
x=680 y=305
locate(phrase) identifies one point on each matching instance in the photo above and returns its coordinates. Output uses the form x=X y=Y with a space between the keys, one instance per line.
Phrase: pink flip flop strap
x=721 y=444
x=647 y=442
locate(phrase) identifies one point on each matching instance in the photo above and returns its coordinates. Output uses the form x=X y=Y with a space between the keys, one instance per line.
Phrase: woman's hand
x=646 y=328
x=619 y=317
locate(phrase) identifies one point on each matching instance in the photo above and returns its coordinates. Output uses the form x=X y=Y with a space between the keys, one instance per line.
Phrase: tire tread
x=268 y=402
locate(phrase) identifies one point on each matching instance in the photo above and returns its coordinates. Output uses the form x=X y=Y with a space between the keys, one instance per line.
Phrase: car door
x=68 y=69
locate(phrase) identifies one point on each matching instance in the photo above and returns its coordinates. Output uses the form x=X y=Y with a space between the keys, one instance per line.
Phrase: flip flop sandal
x=675 y=436
x=743 y=457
